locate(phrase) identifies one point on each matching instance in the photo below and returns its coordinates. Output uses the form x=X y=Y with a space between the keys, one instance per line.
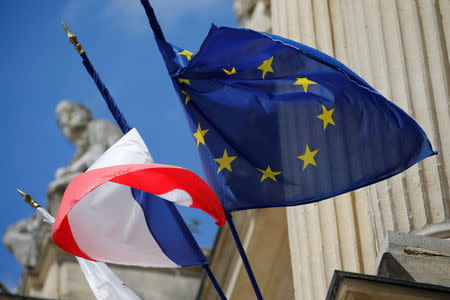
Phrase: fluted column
x=402 y=49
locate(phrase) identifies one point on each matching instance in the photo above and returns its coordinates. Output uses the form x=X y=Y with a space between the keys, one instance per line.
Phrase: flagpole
x=154 y=24
x=120 y=119
x=244 y=258
x=117 y=114
x=214 y=281
x=27 y=198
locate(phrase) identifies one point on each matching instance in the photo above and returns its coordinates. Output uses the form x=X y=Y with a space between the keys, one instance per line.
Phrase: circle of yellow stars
x=308 y=157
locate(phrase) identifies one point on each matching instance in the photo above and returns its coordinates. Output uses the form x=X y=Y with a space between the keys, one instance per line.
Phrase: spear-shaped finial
x=28 y=199
x=124 y=126
x=73 y=39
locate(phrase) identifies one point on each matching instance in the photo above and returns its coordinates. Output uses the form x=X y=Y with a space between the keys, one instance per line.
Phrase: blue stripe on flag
x=169 y=229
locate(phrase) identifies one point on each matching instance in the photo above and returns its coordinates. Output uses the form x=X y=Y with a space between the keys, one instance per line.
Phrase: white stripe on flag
x=130 y=149
x=111 y=214
x=103 y=282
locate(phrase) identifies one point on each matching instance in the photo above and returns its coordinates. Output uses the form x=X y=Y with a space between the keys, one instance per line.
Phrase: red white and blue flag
x=118 y=211
x=103 y=282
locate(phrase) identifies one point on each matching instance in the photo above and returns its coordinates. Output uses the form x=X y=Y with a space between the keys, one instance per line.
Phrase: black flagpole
x=154 y=24
x=120 y=119
x=243 y=255
x=122 y=122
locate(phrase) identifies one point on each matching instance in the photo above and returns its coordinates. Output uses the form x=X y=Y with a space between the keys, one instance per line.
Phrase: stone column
x=402 y=49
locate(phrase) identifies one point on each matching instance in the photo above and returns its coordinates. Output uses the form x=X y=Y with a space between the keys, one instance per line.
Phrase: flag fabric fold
x=277 y=123
x=118 y=210
x=103 y=282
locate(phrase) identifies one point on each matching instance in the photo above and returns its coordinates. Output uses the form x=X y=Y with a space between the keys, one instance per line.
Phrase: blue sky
x=39 y=68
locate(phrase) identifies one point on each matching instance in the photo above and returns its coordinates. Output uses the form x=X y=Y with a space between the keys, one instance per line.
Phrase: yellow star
x=305 y=82
x=182 y=80
x=308 y=157
x=225 y=161
x=199 y=135
x=233 y=71
x=186 y=53
x=268 y=173
x=187 y=97
x=326 y=117
x=266 y=66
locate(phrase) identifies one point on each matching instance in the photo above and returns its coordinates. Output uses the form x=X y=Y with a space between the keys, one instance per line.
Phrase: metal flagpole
x=244 y=258
x=214 y=281
x=154 y=24
x=121 y=121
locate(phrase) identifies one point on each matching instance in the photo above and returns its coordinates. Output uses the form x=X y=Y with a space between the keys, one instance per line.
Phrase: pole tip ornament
x=73 y=39
x=28 y=199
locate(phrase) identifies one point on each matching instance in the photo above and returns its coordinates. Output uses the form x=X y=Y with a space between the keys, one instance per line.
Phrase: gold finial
x=28 y=199
x=73 y=39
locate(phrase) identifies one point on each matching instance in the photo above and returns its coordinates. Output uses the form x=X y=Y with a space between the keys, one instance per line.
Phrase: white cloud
x=73 y=8
x=11 y=283
x=129 y=13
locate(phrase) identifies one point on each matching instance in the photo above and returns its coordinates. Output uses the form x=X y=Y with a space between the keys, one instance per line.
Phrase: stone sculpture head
x=73 y=119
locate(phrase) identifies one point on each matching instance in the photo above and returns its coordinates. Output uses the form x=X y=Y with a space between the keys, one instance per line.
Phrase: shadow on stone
x=390 y=267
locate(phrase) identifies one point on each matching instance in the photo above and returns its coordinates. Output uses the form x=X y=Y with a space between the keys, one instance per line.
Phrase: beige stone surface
x=253 y=14
x=414 y=257
x=401 y=48
x=265 y=239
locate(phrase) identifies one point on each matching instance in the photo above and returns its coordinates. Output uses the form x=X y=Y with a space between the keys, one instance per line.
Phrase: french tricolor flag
x=121 y=210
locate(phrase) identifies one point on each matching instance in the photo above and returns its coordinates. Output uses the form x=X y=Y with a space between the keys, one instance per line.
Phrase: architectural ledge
x=414 y=257
x=354 y=286
x=7 y=296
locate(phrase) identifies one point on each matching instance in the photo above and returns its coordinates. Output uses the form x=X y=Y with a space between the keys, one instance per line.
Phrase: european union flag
x=277 y=123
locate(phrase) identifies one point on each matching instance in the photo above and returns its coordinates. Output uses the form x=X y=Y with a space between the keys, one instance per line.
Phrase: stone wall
x=253 y=14
x=400 y=48
x=265 y=239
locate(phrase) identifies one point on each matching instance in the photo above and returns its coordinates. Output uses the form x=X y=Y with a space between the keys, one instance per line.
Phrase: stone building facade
x=402 y=48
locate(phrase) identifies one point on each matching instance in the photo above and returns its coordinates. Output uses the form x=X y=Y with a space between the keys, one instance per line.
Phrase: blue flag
x=277 y=123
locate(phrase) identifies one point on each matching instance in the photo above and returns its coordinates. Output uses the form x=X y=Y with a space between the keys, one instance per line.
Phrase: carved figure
x=91 y=138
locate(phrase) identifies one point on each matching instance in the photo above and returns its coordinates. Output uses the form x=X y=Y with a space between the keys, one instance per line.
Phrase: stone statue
x=23 y=239
x=253 y=14
x=91 y=138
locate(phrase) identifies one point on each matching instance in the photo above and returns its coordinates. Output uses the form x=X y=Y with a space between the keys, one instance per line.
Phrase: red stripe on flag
x=164 y=179
x=153 y=178
x=63 y=238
